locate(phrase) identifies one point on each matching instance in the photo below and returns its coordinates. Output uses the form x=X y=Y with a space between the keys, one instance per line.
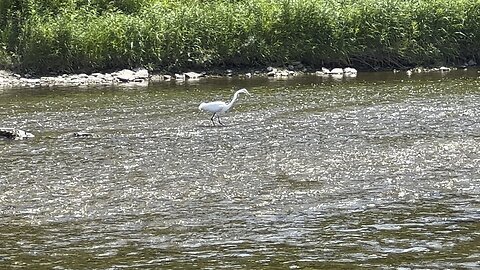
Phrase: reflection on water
x=378 y=171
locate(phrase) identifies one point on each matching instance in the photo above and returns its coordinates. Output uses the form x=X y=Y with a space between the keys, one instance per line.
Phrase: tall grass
x=86 y=35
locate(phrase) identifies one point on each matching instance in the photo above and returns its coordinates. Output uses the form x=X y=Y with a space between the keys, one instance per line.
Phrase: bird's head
x=244 y=91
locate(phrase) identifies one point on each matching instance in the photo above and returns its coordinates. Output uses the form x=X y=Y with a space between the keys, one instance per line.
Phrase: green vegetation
x=85 y=35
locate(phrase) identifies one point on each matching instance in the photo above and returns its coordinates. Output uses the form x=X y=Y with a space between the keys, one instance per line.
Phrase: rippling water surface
x=381 y=171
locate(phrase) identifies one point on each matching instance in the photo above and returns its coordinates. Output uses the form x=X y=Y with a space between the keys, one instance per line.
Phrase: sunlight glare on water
x=380 y=171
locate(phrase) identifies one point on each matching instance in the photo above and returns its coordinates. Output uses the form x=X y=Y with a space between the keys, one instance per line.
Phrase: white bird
x=220 y=107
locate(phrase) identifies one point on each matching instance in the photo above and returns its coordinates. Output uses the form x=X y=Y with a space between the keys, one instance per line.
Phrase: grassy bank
x=86 y=35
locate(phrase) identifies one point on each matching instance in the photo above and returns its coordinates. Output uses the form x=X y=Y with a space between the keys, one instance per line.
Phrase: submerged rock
x=83 y=134
x=15 y=134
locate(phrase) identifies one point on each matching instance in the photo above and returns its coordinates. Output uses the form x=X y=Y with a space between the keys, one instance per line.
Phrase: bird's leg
x=212 y=119
x=218 y=117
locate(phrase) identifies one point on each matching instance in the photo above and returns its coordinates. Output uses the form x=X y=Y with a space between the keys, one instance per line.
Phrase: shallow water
x=380 y=171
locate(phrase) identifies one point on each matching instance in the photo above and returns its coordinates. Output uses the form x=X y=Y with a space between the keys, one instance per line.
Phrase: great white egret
x=220 y=107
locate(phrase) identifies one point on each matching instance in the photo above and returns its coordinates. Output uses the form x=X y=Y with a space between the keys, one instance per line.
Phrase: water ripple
x=304 y=175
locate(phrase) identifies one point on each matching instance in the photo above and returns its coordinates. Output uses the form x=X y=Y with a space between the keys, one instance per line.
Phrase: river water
x=379 y=171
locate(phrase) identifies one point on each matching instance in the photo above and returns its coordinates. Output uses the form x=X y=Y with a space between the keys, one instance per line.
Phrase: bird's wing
x=214 y=106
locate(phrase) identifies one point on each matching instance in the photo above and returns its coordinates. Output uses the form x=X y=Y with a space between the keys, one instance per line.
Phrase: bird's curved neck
x=230 y=104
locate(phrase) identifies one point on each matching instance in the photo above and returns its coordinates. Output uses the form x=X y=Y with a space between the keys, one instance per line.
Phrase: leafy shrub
x=87 y=35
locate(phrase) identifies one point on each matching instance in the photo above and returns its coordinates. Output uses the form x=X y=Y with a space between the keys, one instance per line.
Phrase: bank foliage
x=86 y=35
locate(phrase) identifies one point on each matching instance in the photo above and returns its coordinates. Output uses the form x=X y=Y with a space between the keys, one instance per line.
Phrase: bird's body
x=220 y=107
x=214 y=107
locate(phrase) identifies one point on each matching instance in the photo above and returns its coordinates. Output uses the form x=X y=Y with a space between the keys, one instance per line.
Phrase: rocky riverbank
x=138 y=76
x=142 y=77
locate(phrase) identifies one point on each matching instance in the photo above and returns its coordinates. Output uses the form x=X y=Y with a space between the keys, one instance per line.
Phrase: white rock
x=350 y=75
x=125 y=75
x=271 y=71
x=336 y=71
x=284 y=73
x=126 y=72
x=192 y=75
x=95 y=80
x=337 y=76
x=108 y=77
x=349 y=70
x=142 y=74
x=30 y=81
